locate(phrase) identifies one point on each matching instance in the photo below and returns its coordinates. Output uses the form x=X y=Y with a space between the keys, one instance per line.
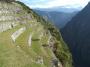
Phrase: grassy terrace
x=19 y=54
x=36 y=48
x=10 y=55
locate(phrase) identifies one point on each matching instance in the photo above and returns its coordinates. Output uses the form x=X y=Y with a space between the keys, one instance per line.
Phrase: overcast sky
x=55 y=3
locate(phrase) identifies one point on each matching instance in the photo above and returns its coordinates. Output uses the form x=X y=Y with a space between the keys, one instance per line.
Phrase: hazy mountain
x=60 y=9
x=59 y=18
x=27 y=40
x=77 y=35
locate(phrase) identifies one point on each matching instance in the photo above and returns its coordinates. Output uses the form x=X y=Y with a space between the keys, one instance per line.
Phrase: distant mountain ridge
x=60 y=9
x=77 y=35
x=58 y=18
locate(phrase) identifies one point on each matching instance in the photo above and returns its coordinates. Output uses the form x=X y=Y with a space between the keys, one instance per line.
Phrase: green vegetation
x=20 y=54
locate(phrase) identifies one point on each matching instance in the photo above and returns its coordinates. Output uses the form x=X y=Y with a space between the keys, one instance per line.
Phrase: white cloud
x=55 y=3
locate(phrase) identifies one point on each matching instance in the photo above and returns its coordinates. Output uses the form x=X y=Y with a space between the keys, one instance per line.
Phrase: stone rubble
x=56 y=63
x=39 y=60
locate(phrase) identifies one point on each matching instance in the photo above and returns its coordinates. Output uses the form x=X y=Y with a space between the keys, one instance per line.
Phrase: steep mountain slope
x=77 y=35
x=27 y=40
x=59 y=19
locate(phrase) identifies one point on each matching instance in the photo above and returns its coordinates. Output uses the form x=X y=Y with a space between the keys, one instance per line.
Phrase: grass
x=36 y=48
x=10 y=55
x=19 y=53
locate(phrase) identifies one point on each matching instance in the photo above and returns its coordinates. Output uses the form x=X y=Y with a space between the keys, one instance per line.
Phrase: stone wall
x=30 y=40
x=7 y=1
x=16 y=34
x=7 y=17
x=7 y=26
x=11 y=15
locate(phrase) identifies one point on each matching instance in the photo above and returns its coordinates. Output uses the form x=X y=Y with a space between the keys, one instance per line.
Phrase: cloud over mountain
x=55 y=3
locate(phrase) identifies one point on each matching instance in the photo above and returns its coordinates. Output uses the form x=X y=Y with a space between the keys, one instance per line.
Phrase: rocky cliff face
x=26 y=40
x=77 y=35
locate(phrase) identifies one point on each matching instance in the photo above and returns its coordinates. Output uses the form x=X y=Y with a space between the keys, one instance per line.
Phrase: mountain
x=64 y=9
x=27 y=40
x=77 y=35
x=58 y=18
